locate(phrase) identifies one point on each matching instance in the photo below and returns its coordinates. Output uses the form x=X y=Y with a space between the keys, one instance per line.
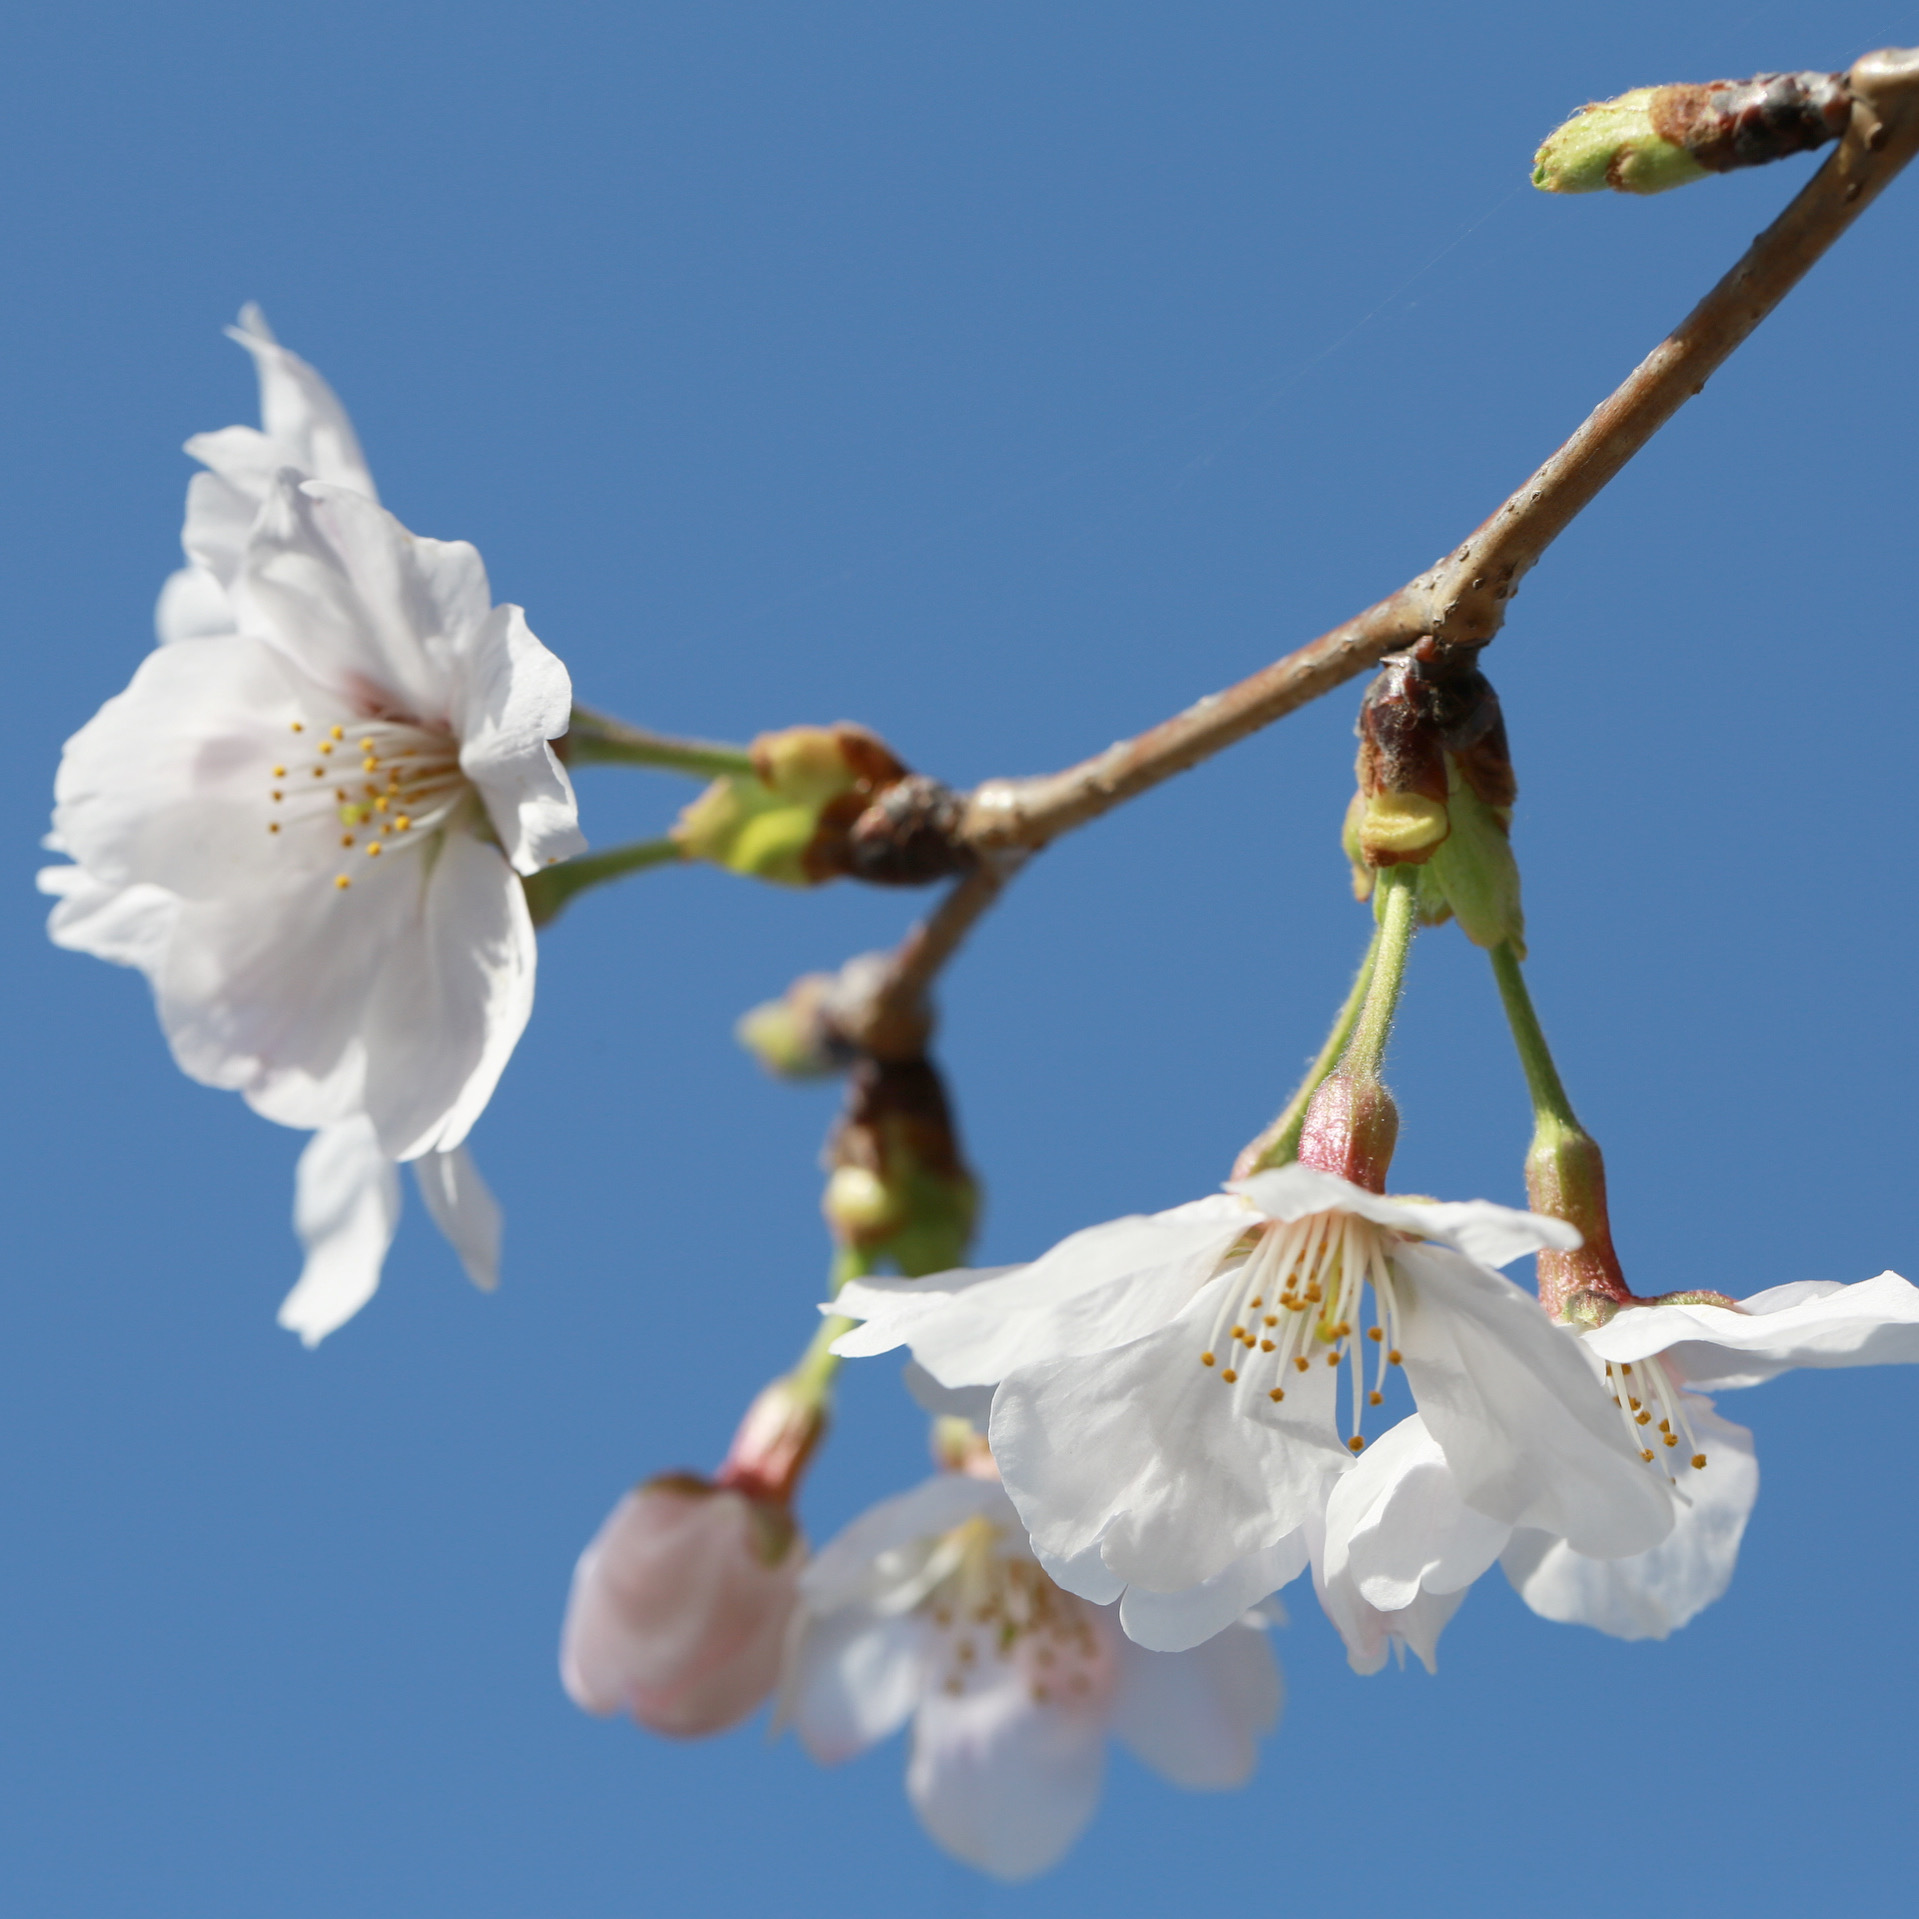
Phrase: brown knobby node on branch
x=1747 y=123
x=909 y=834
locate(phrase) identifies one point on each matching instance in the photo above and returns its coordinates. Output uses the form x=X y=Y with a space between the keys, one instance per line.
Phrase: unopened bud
x=789 y=820
x=898 y=1189
x=679 y=1606
x=1351 y=1129
x=1654 y=138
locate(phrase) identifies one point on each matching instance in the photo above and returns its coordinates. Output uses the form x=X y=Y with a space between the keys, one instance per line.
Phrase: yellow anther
x=342 y=882
x=299 y=726
x=1632 y=1402
x=1255 y=1303
x=319 y=772
x=381 y=804
x=374 y=849
x=401 y=823
x=1239 y=1332
x=1278 y=1392
x=338 y=732
x=1206 y=1359
x=366 y=745
x=274 y=827
x=1672 y=1439
x=1375 y=1399
x=1665 y=1425
x=326 y=746
x=1302 y=1362
x=1645 y=1452
x=279 y=772
x=1357 y=1444
x=1699 y=1459
x=1640 y=1419
x=346 y=839
x=1228 y=1375
x=1265 y=1345
x=368 y=764
x=277 y=794
x=1392 y=1358
x=1272 y=1319
x=1624 y=1367
x=1375 y=1333
x=1332 y=1359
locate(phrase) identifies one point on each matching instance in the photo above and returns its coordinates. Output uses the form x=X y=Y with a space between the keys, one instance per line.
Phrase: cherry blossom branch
x=1462 y=600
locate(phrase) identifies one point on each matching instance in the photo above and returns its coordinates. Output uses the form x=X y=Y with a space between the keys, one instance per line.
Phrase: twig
x=597 y=738
x=1462 y=600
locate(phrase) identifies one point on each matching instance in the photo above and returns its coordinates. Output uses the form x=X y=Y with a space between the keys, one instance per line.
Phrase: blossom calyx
x=1436 y=792
x=1351 y=1129
x=1655 y=138
x=898 y=1188
x=1566 y=1179
x=822 y=803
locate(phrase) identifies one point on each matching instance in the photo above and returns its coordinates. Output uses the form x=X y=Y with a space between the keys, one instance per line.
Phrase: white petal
x=852 y=1568
x=852 y=1679
x=451 y=1002
x=1151 y=1454
x=356 y=601
x=301 y=414
x=129 y=925
x=464 y=1210
x=1098 y=1289
x=1195 y=1717
x=1530 y=1434
x=973 y=1404
x=1368 y=1632
x=1403 y=1527
x=1173 y=1622
x=1002 y=1783
x=891 y=1309
x=1478 y=1227
x=346 y=1204
x=1873 y=1323
x=1086 y=1574
x=1657 y=1592
x=193 y=605
x=510 y=697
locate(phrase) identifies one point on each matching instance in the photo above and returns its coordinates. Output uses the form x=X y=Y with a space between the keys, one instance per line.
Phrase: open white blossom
x=932 y=1607
x=302 y=822
x=1165 y=1416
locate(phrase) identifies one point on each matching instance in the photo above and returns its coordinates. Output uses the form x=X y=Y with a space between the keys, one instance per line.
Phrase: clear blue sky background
x=1004 y=376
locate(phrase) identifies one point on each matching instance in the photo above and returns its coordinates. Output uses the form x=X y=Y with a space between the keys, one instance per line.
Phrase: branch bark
x=1462 y=599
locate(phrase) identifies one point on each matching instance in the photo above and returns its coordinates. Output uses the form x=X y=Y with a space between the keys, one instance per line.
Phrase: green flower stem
x=1396 y=904
x=1551 y=1108
x=598 y=739
x=812 y=1378
x=1278 y=1145
x=548 y=890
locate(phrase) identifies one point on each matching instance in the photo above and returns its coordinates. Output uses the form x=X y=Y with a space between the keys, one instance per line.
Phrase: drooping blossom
x=1165 y=1416
x=680 y=1603
x=933 y=1608
x=303 y=820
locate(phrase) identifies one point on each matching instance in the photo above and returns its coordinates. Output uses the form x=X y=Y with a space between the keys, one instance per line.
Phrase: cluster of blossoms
x=324 y=821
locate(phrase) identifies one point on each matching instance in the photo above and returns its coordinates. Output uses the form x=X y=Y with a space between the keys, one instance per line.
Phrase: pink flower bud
x=680 y=1604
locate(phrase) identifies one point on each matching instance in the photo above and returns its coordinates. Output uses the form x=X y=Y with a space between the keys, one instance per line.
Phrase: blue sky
x=1003 y=377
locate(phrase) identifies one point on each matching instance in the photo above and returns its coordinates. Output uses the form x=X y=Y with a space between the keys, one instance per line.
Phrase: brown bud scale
x=1747 y=123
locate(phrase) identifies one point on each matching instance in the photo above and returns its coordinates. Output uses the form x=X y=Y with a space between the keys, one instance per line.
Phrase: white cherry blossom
x=1165 y=1416
x=932 y=1607
x=333 y=692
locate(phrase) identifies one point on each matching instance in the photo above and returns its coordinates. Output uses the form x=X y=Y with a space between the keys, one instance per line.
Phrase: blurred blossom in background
x=1001 y=378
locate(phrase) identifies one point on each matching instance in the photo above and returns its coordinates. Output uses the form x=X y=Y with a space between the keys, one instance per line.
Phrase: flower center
x=1301 y=1294
x=1645 y=1393
x=992 y=1613
x=376 y=785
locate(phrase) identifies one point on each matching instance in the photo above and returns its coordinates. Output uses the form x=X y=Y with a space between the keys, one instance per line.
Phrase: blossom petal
x=1527 y=1429
x=193 y=605
x=451 y=1002
x=853 y=1679
x=356 y=601
x=1872 y=1323
x=346 y=1205
x=1151 y=1454
x=1656 y=1592
x=1484 y=1231
x=510 y=697
x=129 y=925
x=464 y=1210
x=1369 y=1633
x=1002 y=1783
x=1173 y=1622
x=302 y=415
x=974 y=1404
x=1195 y=1717
x=854 y=1566
x=1402 y=1526
x=1098 y=1289
x=1086 y=1574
